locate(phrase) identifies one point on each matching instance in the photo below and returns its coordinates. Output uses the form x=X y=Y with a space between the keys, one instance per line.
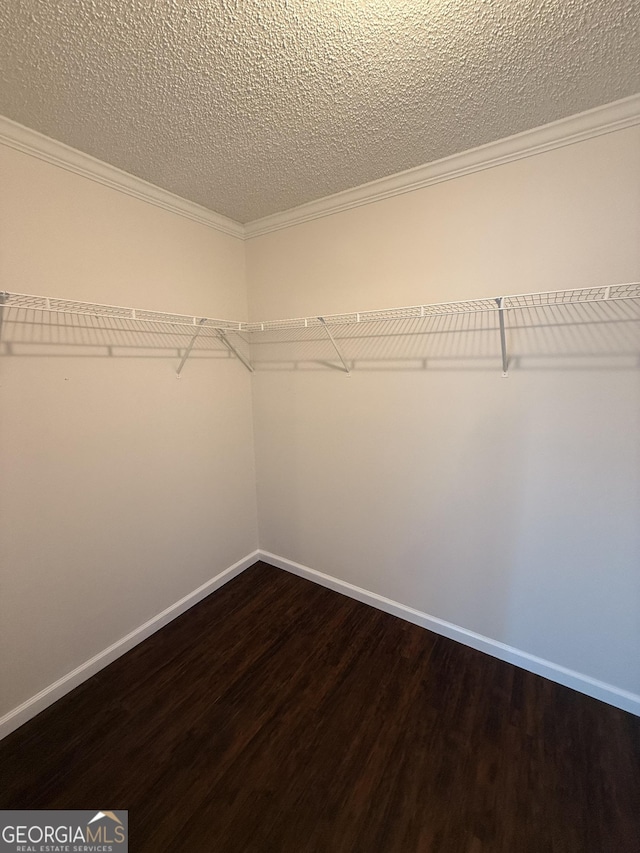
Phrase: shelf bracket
x=503 y=337
x=3 y=299
x=335 y=345
x=187 y=352
x=225 y=340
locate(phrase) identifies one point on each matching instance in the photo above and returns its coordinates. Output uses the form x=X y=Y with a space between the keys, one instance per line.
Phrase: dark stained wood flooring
x=280 y=716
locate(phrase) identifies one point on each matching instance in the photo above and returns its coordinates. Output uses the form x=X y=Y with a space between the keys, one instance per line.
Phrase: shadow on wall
x=578 y=336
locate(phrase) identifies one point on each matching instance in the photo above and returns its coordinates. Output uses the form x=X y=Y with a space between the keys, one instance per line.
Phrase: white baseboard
x=15 y=718
x=554 y=672
x=569 y=678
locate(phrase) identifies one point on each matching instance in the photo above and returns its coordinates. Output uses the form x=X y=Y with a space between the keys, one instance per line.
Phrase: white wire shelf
x=193 y=327
x=627 y=290
x=94 y=309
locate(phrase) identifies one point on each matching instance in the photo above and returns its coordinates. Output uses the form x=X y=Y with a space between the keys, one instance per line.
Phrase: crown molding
x=50 y=150
x=568 y=131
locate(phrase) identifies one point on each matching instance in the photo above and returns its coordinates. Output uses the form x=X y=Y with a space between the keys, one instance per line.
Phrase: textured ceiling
x=254 y=106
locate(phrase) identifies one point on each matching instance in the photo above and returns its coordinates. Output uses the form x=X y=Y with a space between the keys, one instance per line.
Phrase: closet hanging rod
x=604 y=293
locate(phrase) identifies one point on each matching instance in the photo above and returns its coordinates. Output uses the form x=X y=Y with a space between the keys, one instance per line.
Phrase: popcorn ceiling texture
x=254 y=106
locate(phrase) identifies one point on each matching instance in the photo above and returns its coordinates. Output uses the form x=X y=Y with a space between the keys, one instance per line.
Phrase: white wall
x=510 y=507
x=122 y=488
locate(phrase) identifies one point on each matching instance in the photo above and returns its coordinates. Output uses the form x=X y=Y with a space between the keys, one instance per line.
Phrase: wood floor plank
x=277 y=715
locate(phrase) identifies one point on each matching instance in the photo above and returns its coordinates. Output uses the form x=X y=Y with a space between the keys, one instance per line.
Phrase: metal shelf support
x=225 y=340
x=503 y=337
x=335 y=346
x=3 y=300
x=187 y=352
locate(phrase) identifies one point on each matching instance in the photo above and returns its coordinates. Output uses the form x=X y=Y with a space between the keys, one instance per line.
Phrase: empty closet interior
x=470 y=462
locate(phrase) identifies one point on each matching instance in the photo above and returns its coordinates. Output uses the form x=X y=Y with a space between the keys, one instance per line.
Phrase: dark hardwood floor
x=279 y=716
